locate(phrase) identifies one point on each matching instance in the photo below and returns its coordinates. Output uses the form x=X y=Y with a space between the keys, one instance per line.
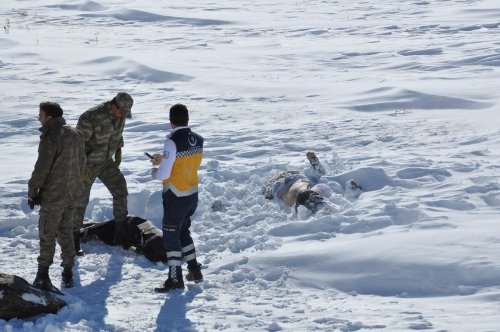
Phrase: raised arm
x=166 y=161
x=315 y=164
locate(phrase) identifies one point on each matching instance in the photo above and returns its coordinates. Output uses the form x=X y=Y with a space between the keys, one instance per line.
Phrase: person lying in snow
x=139 y=234
x=295 y=189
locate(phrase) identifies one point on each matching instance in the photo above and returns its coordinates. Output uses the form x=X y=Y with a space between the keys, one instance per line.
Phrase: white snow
x=401 y=95
x=34 y=298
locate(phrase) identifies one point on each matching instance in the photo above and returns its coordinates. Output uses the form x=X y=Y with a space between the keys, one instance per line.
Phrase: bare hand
x=157 y=158
x=310 y=155
x=153 y=173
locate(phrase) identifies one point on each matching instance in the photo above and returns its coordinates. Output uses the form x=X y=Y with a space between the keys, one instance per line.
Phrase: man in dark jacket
x=179 y=164
x=55 y=184
x=102 y=128
x=138 y=234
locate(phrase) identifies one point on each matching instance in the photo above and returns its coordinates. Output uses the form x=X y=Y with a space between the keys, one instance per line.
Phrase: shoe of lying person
x=77 y=241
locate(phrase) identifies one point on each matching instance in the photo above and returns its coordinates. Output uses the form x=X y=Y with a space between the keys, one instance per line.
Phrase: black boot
x=173 y=282
x=78 y=248
x=194 y=272
x=67 y=277
x=42 y=279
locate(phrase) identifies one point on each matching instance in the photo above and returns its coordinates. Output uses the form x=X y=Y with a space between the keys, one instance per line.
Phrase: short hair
x=51 y=109
x=179 y=115
x=311 y=199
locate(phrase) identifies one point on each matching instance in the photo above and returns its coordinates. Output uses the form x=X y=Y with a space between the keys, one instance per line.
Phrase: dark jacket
x=57 y=177
x=136 y=232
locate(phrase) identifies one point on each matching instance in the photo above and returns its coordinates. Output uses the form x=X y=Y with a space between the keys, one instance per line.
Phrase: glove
x=34 y=201
x=118 y=157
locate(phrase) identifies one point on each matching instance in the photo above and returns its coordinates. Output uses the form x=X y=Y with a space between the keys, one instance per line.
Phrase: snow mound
x=87 y=6
x=120 y=67
x=131 y=15
x=395 y=99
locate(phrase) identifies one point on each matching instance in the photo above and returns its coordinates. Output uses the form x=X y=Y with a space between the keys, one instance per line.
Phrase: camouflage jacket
x=58 y=172
x=103 y=133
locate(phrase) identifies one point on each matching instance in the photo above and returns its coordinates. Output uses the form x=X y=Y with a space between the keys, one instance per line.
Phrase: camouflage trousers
x=56 y=222
x=111 y=176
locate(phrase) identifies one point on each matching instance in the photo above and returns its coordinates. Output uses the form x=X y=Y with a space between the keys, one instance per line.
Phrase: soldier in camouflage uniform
x=102 y=128
x=55 y=184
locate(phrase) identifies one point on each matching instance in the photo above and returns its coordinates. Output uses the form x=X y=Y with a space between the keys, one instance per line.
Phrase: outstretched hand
x=157 y=158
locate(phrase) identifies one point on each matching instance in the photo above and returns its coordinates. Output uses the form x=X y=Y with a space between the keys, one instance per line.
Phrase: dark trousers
x=177 y=212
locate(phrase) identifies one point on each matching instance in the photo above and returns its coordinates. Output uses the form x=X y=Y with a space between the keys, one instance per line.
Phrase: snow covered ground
x=401 y=95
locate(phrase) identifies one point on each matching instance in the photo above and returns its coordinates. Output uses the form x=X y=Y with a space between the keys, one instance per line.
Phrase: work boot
x=173 y=282
x=67 y=277
x=42 y=279
x=78 y=248
x=194 y=273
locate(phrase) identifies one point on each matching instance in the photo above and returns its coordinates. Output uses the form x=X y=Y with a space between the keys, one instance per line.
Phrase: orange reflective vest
x=183 y=180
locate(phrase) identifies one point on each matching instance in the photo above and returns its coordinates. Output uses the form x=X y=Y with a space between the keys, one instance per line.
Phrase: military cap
x=125 y=102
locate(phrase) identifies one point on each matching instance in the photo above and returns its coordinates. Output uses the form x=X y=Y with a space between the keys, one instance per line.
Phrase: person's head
x=121 y=105
x=49 y=110
x=179 y=115
x=311 y=199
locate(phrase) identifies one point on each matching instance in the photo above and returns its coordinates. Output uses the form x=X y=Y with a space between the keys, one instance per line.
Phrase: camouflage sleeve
x=86 y=127
x=46 y=154
x=83 y=158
